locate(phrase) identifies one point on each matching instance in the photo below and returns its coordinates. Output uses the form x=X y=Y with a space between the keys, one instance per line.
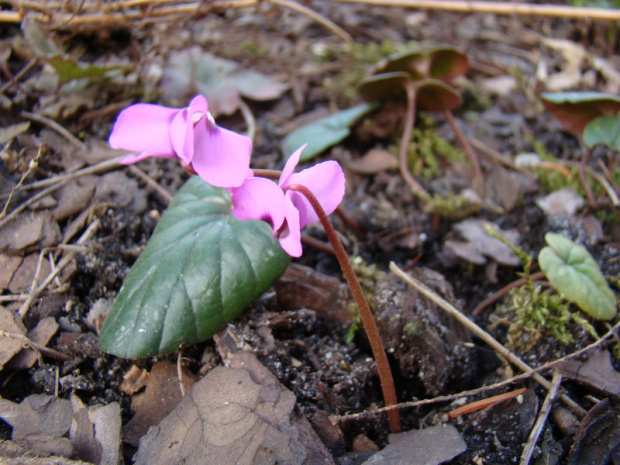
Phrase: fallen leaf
x=161 y=396
x=222 y=81
x=239 y=414
x=25 y=274
x=429 y=446
x=563 y=203
x=134 y=380
x=8 y=265
x=40 y=334
x=597 y=372
x=375 y=161
x=598 y=439
x=29 y=229
x=75 y=196
x=96 y=432
x=9 y=346
x=474 y=231
x=8 y=133
x=37 y=415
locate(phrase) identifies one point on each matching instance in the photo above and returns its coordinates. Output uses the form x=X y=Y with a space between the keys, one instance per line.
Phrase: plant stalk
x=415 y=186
x=368 y=320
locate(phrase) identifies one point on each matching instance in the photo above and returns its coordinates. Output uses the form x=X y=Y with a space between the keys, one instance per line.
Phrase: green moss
x=532 y=312
x=453 y=207
x=411 y=329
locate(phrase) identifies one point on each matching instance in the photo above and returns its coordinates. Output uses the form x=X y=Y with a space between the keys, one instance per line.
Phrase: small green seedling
x=423 y=80
x=573 y=273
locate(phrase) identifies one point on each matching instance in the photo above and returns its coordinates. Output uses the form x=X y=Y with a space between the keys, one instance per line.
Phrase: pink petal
x=290 y=239
x=221 y=157
x=259 y=199
x=290 y=166
x=182 y=127
x=326 y=181
x=144 y=128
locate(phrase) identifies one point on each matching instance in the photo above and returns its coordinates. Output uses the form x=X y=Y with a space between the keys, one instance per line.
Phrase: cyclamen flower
x=289 y=211
x=219 y=156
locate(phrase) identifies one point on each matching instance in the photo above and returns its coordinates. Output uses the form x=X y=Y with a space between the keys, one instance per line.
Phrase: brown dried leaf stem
x=484 y=403
x=368 y=320
x=482 y=334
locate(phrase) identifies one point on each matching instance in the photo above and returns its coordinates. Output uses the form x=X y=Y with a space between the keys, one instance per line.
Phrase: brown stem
x=368 y=320
x=471 y=154
x=584 y=180
x=415 y=186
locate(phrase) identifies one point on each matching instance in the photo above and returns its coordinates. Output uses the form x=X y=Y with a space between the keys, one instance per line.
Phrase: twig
x=503 y=291
x=501 y=8
x=368 y=320
x=486 y=337
x=528 y=450
x=105 y=165
x=473 y=392
x=163 y=193
x=31 y=166
x=27 y=343
x=344 y=35
x=35 y=292
x=484 y=403
x=77 y=143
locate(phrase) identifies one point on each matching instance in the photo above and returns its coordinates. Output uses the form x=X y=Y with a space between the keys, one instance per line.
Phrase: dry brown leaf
x=9 y=346
x=241 y=415
x=29 y=229
x=8 y=266
x=429 y=446
x=563 y=203
x=40 y=334
x=75 y=196
x=23 y=277
x=161 y=396
x=37 y=415
x=134 y=380
x=96 y=432
x=8 y=133
x=375 y=161
x=597 y=373
x=474 y=231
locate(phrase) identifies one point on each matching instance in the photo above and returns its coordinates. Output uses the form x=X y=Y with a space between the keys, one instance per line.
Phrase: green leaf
x=200 y=270
x=575 y=110
x=603 y=130
x=572 y=271
x=325 y=132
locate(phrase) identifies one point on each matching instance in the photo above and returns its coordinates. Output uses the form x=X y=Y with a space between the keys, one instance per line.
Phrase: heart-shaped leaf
x=325 y=132
x=603 y=130
x=572 y=271
x=200 y=270
x=436 y=95
x=385 y=86
x=444 y=63
x=193 y=71
x=575 y=110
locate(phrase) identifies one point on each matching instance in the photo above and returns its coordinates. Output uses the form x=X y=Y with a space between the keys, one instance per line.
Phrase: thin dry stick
x=105 y=165
x=486 y=337
x=34 y=293
x=27 y=343
x=31 y=166
x=484 y=403
x=56 y=127
x=163 y=193
x=344 y=35
x=472 y=156
x=528 y=450
x=474 y=392
x=500 y=8
x=368 y=321
x=503 y=291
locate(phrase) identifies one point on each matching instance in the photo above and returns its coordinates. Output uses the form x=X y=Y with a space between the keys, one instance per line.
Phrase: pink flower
x=219 y=156
x=289 y=211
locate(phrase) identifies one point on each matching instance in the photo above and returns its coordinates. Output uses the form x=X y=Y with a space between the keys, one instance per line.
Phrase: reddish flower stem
x=415 y=186
x=368 y=320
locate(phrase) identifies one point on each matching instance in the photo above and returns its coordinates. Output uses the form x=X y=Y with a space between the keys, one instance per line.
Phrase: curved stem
x=415 y=186
x=472 y=156
x=368 y=320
